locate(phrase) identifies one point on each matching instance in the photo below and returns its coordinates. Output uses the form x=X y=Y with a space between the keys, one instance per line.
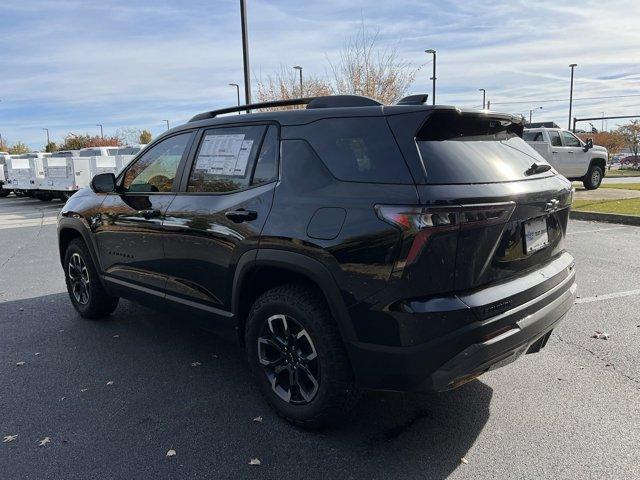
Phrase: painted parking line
x=607 y=296
x=598 y=230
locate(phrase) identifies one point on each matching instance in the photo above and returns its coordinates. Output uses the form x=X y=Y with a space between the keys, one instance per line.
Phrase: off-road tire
x=594 y=177
x=99 y=303
x=336 y=392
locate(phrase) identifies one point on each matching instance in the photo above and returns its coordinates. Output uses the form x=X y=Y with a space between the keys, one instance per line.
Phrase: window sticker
x=225 y=155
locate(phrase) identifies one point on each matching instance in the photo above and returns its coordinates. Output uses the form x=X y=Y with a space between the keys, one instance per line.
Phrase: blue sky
x=70 y=64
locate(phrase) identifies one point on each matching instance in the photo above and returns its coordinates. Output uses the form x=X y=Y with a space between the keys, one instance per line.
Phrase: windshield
x=463 y=148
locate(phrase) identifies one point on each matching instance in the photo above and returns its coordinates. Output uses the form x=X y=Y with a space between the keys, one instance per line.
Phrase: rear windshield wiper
x=537 y=168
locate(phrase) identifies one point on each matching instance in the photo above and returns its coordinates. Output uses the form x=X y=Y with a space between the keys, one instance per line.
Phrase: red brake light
x=423 y=222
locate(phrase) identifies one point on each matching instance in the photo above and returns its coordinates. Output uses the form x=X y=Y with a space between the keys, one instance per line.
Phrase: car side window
x=570 y=140
x=225 y=159
x=555 y=138
x=267 y=165
x=155 y=171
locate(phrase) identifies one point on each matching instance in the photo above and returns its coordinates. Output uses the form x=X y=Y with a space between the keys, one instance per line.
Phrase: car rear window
x=532 y=137
x=465 y=148
x=358 y=149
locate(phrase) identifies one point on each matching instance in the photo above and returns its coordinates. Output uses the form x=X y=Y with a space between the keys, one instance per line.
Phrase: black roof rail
x=419 y=99
x=331 y=101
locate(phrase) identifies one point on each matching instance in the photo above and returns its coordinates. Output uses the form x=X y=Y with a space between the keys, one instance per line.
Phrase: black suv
x=347 y=244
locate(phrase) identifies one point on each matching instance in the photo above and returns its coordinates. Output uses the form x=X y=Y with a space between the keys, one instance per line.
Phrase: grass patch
x=628 y=206
x=622 y=186
x=623 y=173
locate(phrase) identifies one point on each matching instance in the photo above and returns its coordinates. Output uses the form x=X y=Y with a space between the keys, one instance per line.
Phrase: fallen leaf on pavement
x=171 y=453
x=258 y=419
x=464 y=460
x=196 y=364
x=255 y=461
x=44 y=441
x=22 y=309
x=9 y=438
x=19 y=364
x=83 y=390
x=110 y=382
x=116 y=336
x=600 y=335
x=37 y=353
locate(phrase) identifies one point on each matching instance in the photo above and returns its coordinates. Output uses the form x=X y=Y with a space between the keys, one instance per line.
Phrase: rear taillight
x=422 y=223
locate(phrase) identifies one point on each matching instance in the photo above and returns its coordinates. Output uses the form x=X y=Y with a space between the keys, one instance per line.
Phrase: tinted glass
x=225 y=159
x=91 y=153
x=128 y=150
x=532 y=137
x=570 y=140
x=358 y=149
x=471 y=149
x=156 y=169
x=267 y=165
x=62 y=154
x=112 y=151
x=555 y=138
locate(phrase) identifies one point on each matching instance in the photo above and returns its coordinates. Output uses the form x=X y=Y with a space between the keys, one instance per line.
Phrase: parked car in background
x=325 y=244
x=569 y=155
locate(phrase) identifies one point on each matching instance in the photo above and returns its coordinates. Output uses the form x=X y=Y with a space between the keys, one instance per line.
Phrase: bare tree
x=366 y=69
x=363 y=69
x=631 y=134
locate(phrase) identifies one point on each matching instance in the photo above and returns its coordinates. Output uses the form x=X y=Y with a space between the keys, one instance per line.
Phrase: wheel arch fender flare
x=303 y=265
x=77 y=227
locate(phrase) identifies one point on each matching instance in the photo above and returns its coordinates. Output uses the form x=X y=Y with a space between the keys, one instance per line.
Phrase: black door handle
x=149 y=213
x=241 y=215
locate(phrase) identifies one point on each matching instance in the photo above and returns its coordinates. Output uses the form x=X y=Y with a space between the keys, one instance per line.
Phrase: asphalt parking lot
x=113 y=397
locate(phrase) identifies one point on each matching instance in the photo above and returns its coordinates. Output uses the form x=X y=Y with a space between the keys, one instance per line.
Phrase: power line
x=564 y=99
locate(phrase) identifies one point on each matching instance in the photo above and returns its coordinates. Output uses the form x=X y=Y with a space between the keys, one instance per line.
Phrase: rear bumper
x=461 y=355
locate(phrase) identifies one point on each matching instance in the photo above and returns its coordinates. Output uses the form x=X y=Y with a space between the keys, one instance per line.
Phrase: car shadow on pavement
x=144 y=382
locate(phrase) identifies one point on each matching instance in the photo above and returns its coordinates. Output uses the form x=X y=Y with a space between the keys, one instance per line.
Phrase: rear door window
x=555 y=138
x=458 y=148
x=225 y=159
x=358 y=149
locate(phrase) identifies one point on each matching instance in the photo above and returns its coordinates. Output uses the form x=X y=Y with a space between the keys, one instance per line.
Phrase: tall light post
x=433 y=78
x=237 y=92
x=484 y=97
x=167 y=122
x=602 y=126
x=531 y=113
x=245 y=51
x=101 y=132
x=46 y=148
x=572 y=66
x=299 y=68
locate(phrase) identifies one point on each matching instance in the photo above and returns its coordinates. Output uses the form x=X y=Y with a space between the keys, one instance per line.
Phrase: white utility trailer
x=21 y=174
x=59 y=177
x=4 y=175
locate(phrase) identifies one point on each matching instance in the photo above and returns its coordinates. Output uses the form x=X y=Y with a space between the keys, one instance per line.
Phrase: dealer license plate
x=535 y=234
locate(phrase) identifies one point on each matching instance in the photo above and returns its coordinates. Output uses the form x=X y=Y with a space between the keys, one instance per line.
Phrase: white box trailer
x=21 y=174
x=5 y=189
x=59 y=177
x=92 y=161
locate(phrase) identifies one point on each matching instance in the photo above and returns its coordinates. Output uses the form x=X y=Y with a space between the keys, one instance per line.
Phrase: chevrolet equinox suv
x=347 y=245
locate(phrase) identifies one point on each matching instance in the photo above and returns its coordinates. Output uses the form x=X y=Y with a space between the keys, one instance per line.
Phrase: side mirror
x=588 y=145
x=104 y=183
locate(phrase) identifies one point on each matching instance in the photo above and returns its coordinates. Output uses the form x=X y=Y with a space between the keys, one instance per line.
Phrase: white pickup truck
x=569 y=155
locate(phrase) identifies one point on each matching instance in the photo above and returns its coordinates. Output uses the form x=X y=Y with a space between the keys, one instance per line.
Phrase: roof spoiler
x=419 y=99
x=331 y=101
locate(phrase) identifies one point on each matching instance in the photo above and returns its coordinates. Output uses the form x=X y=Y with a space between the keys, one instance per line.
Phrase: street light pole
x=299 y=68
x=573 y=65
x=167 y=122
x=245 y=51
x=46 y=148
x=484 y=97
x=531 y=113
x=433 y=78
x=101 y=132
x=237 y=92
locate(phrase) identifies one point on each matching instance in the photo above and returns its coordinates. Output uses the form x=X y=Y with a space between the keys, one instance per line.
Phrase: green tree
x=631 y=134
x=18 y=148
x=145 y=136
x=51 y=147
